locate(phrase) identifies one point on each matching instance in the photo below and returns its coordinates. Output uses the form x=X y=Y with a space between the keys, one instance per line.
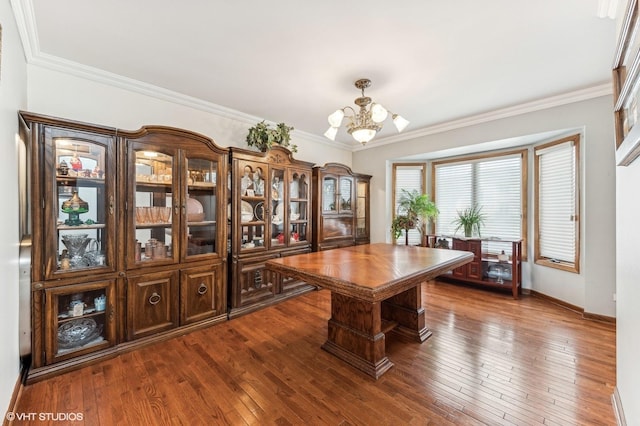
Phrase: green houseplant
x=415 y=211
x=402 y=223
x=263 y=136
x=470 y=219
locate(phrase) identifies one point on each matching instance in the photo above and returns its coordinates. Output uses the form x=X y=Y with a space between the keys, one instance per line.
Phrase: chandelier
x=365 y=123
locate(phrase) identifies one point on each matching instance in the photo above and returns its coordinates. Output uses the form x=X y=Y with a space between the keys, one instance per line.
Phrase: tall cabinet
x=174 y=217
x=341 y=214
x=270 y=217
x=74 y=265
x=121 y=255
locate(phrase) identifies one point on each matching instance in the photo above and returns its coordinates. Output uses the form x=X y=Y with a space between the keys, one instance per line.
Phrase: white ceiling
x=296 y=61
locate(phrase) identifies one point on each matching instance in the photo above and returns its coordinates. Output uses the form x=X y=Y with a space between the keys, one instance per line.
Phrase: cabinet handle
x=202 y=289
x=176 y=208
x=154 y=299
x=111 y=313
x=111 y=202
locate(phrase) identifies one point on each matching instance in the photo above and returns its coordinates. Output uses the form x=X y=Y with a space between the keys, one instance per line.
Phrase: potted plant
x=263 y=136
x=416 y=212
x=470 y=219
x=402 y=223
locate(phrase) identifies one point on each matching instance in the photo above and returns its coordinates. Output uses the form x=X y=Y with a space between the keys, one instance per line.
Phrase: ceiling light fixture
x=365 y=123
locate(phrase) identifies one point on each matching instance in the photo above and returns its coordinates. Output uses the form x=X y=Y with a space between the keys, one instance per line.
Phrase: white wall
x=68 y=96
x=13 y=96
x=593 y=288
x=628 y=280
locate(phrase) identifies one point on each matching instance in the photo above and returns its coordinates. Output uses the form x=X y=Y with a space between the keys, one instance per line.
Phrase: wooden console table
x=375 y=288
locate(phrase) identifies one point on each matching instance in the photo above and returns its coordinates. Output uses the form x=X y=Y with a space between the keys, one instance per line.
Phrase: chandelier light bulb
x=331 y=133
x=378 y=113
x=335 y=119
x=363 y=135
x=400 y=122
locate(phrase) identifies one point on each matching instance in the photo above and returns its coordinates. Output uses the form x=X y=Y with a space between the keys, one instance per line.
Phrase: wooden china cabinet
x=74 y=266
x=175 y=229
x=341 y=202
x=270 y=217
x=121 y=255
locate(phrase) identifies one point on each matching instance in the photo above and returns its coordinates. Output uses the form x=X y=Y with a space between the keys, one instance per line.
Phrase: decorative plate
x=77 y=332
x=246 y=210
x=258 y=210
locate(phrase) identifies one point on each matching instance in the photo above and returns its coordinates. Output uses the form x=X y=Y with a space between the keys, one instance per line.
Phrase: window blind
x=557 y=216
x=494 y=184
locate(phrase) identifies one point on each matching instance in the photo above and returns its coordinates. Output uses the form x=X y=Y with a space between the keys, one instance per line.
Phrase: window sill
x=557 y=264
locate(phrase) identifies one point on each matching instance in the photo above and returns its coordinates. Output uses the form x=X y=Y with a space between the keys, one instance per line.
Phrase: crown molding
x=603 y=89
x=25 y=21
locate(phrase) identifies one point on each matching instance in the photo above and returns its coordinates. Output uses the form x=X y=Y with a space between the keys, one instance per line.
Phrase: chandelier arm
x=353 y=111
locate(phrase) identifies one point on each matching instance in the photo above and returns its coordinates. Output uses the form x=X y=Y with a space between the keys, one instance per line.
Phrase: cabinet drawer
x=475 y=247
x=255 y=283
x=152 y=303
x=202 y=293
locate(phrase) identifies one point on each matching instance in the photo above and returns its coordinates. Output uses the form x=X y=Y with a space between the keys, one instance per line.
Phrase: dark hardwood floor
x=491 y=360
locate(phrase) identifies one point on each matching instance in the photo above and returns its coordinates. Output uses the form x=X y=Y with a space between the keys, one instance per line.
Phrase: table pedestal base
x=356 y=330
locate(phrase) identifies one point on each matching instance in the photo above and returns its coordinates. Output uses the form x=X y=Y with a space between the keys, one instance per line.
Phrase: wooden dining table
x=375 y=289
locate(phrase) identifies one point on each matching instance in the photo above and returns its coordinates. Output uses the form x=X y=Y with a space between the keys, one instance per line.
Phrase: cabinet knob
x=154 y=299
x=202 y=289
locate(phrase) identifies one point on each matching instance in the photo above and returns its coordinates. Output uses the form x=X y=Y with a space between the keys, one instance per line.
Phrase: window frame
x=524 y=182
x=423 y=185
x=538 y=258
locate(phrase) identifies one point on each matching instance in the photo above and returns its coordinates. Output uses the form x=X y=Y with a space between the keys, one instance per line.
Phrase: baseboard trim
x=574 y=308
x=15 y=398
x=597 y=317
x=617 y=408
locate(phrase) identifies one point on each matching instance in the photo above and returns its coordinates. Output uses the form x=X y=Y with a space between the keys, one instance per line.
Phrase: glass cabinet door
x=156 y=208
x=201 y=206
x=80 y=319
x=361 y=209
x=253 y=208
x=329 y=194
x=82 y=169
x=277 y=210
x=345 y=195
x=299 y=207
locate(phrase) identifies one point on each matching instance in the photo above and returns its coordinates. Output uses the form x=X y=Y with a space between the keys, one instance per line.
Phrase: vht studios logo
x=43 y=417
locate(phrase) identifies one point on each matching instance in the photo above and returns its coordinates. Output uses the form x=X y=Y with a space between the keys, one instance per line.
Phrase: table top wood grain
x=371 y=272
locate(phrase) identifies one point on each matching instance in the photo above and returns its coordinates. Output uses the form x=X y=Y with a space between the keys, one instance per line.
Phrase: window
x=408 y=176
x=556 y=199
x=494 y=182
